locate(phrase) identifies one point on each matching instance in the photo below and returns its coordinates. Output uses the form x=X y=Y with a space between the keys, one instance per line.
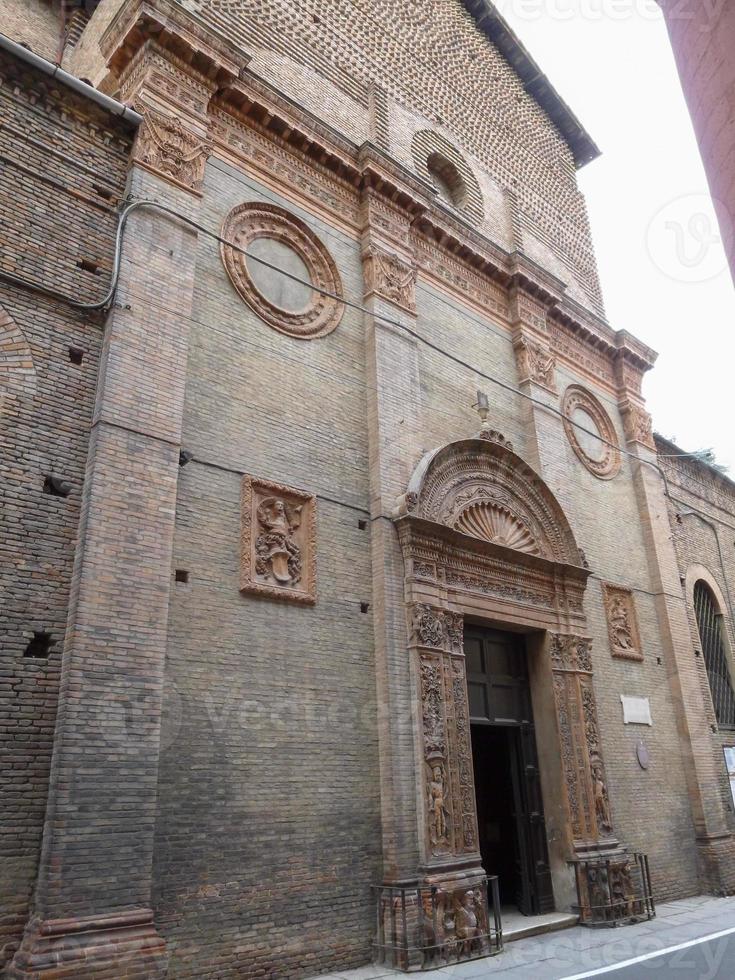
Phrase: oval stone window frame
x=254 y=220
x=608 y=465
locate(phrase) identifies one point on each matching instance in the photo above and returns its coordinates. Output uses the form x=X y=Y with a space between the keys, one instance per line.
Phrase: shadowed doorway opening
x=512 y=833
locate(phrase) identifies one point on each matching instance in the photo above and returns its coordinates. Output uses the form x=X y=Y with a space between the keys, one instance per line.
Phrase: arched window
x=709 y=622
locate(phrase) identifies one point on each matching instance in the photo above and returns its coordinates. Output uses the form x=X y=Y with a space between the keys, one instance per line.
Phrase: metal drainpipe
x=70 y=81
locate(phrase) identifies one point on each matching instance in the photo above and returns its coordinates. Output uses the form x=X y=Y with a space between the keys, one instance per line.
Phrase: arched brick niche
x=437 y=161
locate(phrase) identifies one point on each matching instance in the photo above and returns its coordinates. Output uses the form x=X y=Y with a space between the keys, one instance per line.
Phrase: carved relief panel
x=622 y=622
x=449 y=791
x=278 y=544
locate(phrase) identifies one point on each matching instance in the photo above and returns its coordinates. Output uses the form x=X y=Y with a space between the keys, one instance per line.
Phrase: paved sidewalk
x=579 y=950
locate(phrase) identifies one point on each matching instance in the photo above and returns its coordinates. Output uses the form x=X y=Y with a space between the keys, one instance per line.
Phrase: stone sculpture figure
x=278 y=555
x=437 y=805
x=466 y=922
x=602 y=804
x=620 y=625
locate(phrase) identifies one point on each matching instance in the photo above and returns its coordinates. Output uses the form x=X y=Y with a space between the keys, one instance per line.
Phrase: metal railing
x=614 y=891
x=427 y=927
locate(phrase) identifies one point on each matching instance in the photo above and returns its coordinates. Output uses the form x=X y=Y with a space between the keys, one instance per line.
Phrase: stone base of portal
x=123 y=946
x=440 y=920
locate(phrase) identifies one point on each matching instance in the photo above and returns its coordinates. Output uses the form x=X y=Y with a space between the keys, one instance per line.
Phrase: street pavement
x=691 y=939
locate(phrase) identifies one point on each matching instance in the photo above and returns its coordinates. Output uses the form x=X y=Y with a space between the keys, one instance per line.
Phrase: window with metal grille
x=709 y=622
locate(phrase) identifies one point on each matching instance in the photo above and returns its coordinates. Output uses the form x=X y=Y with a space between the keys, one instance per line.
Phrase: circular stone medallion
x=270 y=233
x=600 y=458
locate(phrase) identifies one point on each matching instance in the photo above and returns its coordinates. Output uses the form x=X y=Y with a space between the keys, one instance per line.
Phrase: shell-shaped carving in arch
x=483 y=489
x=497 y=525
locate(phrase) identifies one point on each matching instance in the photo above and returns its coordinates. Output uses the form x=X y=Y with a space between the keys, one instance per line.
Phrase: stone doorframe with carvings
x=483 y=536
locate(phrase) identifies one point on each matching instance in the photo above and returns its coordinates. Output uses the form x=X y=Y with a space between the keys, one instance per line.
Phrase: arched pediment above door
x=481 y=488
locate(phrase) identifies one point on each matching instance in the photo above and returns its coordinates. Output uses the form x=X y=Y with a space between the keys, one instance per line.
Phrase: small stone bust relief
x=278 y=548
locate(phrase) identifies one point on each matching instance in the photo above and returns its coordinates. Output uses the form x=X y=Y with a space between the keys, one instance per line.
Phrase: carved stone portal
x=278 y=556
x=482 y=534
x=581 y=754
x=622 y=623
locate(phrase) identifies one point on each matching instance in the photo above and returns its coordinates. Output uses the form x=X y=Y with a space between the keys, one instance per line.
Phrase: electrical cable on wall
x=107 y=299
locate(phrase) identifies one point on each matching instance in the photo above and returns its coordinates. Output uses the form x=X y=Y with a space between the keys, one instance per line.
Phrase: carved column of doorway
x=588 y=804
x=449 y=820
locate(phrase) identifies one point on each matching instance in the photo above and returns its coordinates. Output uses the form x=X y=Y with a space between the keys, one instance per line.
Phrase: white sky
x=664 y=274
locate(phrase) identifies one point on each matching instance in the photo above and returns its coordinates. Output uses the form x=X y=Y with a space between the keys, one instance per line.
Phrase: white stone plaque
x=636 y=711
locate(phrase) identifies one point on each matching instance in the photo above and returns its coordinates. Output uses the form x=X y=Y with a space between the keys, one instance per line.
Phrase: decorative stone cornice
x=251 y=100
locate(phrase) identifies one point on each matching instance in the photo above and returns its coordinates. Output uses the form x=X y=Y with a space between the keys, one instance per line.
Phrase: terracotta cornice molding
x=175 y=29
x=192 y=45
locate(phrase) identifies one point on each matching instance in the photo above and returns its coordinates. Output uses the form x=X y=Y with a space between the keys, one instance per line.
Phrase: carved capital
x=437 y=629
x=165 y=147
x=389 y=277
x=535 y=362
x=638 y=425
x=571 y=653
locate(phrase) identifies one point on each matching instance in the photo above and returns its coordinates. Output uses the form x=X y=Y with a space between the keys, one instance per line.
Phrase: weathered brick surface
x=34 y=23
x=55 y=148
x=704 y=547
x=436 y=62
x=269 y=700
x=703 y=38
x=286 y=784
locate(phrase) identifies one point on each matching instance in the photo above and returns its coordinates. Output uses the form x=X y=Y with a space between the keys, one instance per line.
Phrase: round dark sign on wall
x=642 y=755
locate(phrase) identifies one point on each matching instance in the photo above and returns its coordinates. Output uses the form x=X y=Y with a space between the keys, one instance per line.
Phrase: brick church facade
x=338 y=549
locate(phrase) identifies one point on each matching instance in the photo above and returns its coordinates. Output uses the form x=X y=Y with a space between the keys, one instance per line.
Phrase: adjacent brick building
x=703 y=38
x=268 y=549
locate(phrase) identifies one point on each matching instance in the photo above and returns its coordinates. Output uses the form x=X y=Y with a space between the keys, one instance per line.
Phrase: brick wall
x=62 y=158
x=268 y=837
x=705 y=540
x=35 y=23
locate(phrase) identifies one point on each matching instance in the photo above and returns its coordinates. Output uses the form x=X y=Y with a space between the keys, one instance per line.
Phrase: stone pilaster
x=92 y=912
x=535 y=362
x=393 y=392
x=716 y=845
